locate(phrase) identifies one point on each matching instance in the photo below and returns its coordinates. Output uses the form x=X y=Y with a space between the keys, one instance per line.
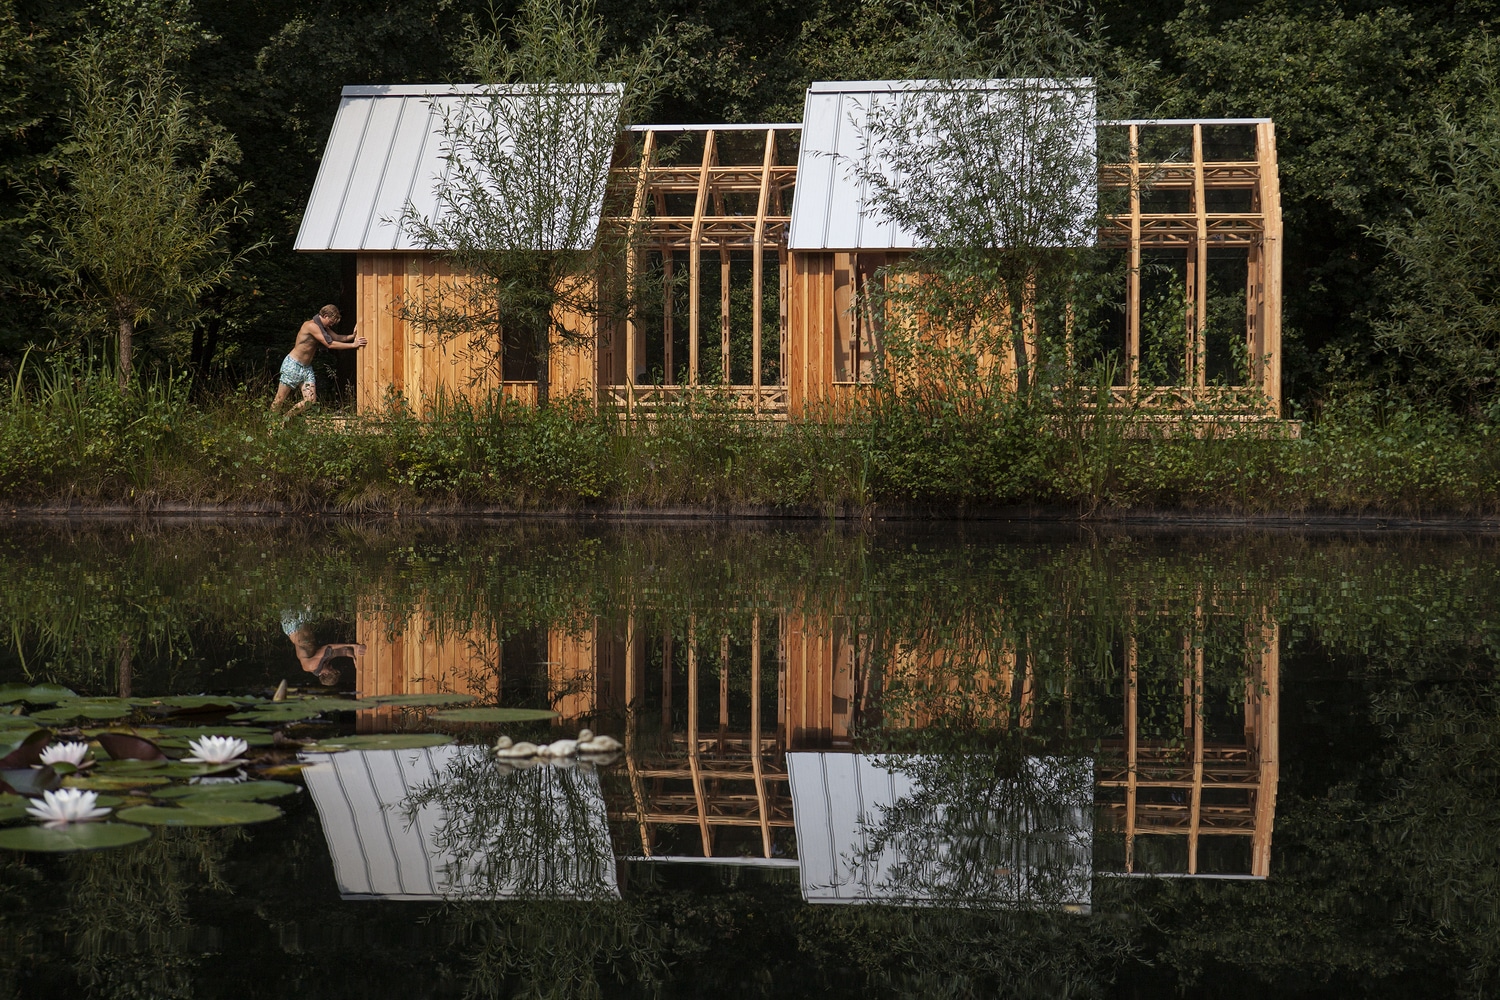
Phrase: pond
x=946 y=760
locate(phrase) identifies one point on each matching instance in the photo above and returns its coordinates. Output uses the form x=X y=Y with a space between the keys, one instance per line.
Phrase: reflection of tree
x=123 y=915
x=983 y=828
x=537 y=833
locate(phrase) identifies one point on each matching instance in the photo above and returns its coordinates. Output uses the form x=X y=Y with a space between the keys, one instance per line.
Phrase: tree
x=135 y=233
x=990 y=164
x=1447 y=249
x=527 y=166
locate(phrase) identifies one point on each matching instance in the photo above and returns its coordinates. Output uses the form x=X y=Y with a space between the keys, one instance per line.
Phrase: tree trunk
x=127 y=336
x=124 y=673
x=1018 y=341
x=544 y=368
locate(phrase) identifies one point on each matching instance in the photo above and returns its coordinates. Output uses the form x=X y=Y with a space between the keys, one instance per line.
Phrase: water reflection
x=451 y=823
x=1153 y=753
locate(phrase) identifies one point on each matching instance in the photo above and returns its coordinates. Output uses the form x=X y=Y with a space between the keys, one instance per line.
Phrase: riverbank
x=85 y=446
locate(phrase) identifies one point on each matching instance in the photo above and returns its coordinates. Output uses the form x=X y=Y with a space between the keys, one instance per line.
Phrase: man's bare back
x=296 y=368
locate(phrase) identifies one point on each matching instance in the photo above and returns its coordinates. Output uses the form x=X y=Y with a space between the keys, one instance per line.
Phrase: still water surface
x=948 y=761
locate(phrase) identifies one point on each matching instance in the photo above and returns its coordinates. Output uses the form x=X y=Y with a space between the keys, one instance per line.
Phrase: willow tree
x=135 y=231
x=526 y=168
x=989 y=164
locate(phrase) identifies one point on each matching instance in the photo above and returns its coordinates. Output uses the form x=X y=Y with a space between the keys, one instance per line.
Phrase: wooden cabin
x=758 y=243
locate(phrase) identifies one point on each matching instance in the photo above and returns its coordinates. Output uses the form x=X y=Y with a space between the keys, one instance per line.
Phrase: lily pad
x=36 y=694
x=73 y=837
x=129 y=766
x=201 y=813
x=115 y=782
x=283 y=711
x=244 y=791
x=196 y=703
x=129 y=746
x=29 y=751
x=493 y=715
x=12 y=807
x=178 y=737
x=193 y=769
x=85 y=708
x=16 y=723
x=29 y=780
x=423 y=700
x=380 y=741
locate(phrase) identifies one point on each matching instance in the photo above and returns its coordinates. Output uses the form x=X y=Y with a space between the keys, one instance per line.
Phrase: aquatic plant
x=67 y=805
x=64 y=753
x=217 y=750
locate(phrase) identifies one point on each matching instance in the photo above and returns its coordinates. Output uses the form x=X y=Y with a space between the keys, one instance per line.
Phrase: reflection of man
x=314 y=658
x=296 y=368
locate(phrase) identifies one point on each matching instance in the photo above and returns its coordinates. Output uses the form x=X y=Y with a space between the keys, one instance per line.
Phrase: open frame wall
x=1197 y=210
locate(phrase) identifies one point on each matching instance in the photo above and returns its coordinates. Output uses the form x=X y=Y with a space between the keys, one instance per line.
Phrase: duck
x=506 y=748
x=558 y=748
x=589 y=743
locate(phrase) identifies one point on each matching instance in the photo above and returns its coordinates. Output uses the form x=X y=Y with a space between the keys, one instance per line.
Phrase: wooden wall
x=402 y=358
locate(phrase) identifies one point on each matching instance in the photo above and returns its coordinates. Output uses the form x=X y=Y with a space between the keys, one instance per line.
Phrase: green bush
x=70 y=435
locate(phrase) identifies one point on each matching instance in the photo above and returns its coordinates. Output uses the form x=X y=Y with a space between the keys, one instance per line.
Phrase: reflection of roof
x=381 y=850
x=833 y=208
x=1035 y=849
x=387 y=148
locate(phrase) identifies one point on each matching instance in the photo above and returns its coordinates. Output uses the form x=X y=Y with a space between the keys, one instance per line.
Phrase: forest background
x=1385 y=116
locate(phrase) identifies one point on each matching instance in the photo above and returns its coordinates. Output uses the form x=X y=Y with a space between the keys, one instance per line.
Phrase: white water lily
x=67 y=805
x=217 y=750
x=64 y=753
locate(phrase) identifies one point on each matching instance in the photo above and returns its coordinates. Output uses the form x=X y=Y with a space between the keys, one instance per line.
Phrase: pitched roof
x=833 y=207
x=387 y=148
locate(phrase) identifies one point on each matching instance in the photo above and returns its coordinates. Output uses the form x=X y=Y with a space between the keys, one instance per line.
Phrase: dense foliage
x=1375 y=103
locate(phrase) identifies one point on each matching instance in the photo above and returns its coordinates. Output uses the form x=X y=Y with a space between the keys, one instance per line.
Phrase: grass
x=68 y=435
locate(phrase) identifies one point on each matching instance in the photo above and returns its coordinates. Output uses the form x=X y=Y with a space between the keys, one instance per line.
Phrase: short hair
x=330 y=314
x=328 y=676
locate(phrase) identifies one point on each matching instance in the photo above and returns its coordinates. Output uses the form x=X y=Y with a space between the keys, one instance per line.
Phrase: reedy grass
x=70 y=436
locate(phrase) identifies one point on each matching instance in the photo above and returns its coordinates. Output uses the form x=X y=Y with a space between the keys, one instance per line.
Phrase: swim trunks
x=292 y=620
x=294 y=373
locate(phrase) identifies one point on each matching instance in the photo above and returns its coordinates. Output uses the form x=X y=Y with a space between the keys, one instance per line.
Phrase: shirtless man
x=296 y=369
x=315 y=658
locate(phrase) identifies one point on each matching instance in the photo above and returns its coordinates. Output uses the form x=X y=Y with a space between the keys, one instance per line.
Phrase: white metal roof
x=833 y=207
x=386 y=149
x=382 y=848
x=841 y=803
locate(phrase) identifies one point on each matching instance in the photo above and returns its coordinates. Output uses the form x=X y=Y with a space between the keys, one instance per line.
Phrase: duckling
x=509 y=750
x=598 y=744
x=558 y=748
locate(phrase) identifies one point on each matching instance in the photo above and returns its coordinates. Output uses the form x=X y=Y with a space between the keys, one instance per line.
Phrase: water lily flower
x=217 y=750
x=67 y=805
x=64 y=753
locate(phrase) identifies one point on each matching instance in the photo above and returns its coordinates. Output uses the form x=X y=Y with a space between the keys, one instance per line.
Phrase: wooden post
x=694 y=764
x=1270 y=201
x=632 y=706
x=695 y=253
x=762 y=205
x=1267 y=738
x=1200 y=285
x=632 y=267
x=669 y=376
x=666 y=680
x=725 y=276
x=1133 y=280
x=723 y=690
x=755 y=748
x=1130 y=751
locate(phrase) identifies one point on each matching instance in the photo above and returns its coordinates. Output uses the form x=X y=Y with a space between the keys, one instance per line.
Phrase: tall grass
x=70 y=435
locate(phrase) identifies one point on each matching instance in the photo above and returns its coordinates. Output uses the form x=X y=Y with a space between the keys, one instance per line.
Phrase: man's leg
x=283 y=392
x=309 y=396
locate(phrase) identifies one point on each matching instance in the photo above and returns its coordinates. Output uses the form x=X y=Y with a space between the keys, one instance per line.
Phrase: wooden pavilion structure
x=713 y=209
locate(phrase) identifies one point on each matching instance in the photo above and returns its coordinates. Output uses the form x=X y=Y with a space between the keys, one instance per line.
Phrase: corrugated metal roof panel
x=915 y=829
x=383 y=848
x=832 y=208
x=387 y=149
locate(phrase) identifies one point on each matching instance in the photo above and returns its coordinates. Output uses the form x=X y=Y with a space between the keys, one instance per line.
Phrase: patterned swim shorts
x=294 y=373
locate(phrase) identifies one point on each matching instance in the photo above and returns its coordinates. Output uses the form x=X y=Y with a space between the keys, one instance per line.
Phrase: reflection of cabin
x=710 y=713
x=771 y=314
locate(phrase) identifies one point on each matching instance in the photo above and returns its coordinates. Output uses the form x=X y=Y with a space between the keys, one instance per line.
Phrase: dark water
x=947 y=761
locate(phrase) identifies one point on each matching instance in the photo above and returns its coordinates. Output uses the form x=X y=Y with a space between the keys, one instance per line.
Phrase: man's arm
x=354 y=344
